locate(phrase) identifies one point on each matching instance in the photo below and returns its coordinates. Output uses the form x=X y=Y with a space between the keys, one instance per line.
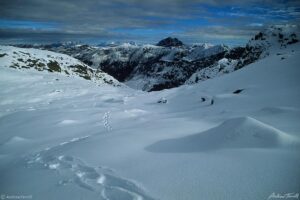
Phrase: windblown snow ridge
x=242 y=132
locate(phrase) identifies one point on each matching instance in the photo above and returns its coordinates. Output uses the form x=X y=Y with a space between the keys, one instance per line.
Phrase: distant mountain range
x=171 y=63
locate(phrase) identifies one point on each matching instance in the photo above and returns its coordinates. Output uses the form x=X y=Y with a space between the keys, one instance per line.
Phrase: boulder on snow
x=162 y=100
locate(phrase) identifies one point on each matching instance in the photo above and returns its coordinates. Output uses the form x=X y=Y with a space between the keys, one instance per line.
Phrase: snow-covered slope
x=267 y=42
x=42 y=60
x=205 y=50
x=232 y=137
x=221 y=67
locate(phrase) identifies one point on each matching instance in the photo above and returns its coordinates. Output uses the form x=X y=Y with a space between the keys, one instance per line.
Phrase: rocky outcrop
x=265 y=42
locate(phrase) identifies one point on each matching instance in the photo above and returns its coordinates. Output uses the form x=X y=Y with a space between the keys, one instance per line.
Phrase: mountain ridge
x=42 y=60
x=171 y=63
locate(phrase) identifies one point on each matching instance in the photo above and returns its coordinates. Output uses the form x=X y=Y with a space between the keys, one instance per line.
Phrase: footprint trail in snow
x=105 y=121
x=101 y=180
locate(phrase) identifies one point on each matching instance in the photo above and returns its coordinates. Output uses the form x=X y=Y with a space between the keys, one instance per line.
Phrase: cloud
x=106 y=19
x=233 y=35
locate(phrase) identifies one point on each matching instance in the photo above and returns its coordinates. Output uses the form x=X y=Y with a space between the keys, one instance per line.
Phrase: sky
x=230 y=22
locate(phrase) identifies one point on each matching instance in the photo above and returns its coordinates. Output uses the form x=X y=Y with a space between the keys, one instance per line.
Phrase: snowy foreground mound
x=243 y=132
x=232 y=137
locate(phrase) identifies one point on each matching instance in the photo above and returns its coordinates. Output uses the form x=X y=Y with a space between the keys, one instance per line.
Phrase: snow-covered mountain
x=147 y=67
x=170 y=42
x=42 y=60
x=170 y=63
x=236 y=136
x=269 y=41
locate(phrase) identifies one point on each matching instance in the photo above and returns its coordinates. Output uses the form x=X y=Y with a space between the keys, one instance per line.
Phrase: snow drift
x=243 y=132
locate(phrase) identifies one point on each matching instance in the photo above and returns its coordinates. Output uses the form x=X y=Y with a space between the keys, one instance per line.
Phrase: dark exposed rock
x=235 y=53
x=162 y=86
x=238 y=91
x=162 y=100
x=170 y=42
x=82 y=71
x=53 y=66
x=293 y=40
x=119 y=70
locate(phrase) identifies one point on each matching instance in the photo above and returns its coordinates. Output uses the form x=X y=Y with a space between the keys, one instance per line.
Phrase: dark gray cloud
x=233 y=35
x=114 y=19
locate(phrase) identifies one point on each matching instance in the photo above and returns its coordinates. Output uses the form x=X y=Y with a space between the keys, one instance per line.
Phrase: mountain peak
x=170 y=42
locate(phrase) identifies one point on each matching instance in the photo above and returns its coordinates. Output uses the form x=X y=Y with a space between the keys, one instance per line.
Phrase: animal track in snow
x=101 y=180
